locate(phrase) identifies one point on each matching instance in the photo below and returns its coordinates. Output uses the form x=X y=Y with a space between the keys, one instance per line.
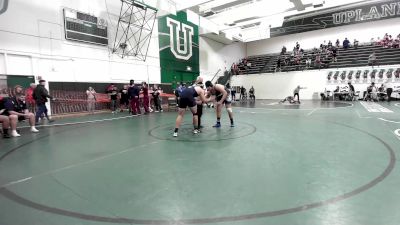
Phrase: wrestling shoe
x=217 y=125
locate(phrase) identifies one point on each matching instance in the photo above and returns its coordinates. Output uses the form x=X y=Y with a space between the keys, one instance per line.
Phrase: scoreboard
x=83 y=27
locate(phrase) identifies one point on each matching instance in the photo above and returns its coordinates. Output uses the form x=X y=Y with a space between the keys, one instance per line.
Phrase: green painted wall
x=175 y=62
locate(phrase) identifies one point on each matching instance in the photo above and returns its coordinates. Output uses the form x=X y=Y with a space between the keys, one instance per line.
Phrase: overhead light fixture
x=3 y=6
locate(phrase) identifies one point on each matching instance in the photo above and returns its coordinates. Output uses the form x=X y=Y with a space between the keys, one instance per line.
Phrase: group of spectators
x=321 y=56
x=131 y=97
x=243 y=63
x=372 y=93
x=243 y=95
x=387 y=42
x=293 y=59
x=20 y=107
x=328 y=52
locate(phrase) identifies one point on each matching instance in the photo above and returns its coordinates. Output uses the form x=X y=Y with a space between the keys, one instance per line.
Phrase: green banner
x=179 y=48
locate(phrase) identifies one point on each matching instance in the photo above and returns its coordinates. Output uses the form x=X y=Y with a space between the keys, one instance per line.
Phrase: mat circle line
x=120 y=220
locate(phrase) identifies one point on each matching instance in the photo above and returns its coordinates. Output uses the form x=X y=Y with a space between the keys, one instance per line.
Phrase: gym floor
x=315 y=163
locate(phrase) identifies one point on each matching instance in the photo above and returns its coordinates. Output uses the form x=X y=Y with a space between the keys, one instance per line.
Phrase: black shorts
x=187 y=102
x=226 y=101
x=6 y=113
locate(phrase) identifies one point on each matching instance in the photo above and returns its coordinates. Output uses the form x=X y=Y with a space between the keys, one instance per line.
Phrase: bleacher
x=258 y=63
x=350 y=57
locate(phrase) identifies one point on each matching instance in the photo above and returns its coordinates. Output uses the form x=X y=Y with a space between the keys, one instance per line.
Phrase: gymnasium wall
x=215 y=56
x=32 y=43
x=280 y=85
x=362 y=32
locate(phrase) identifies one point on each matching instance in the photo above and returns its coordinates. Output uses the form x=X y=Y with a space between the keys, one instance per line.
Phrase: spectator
x=334 y=54
x=91 y=99
x=351 y=90
x=318 y=60
x=385 y=40
x=396 y=43
x=286 y=60
x=337 y=43
x=389 y=90
x=156 y=99
x=291 y=59
x=390 y=42
x=109 y=88
x=113 y=93
x=15 y=109
x=355 y=43
x=30 y=102
x=134 y=93
x=330 y=44
x=346 y=43
x=381 y=92
x=297 y=61
x=252 y=93
x=40 y=94
x=235 y=69
x=283 y=50
x=308 y=62
x=160 y=90
x=336 y=90
x=370 y=94
x=4 y=120
x=278 y=64
x=379 y=41
x=372 y=41
x=146 y=100
x=233 y=93
x=242 y=92
x=248 y=65
x=374 y=92
x=124 y=98
x=372 y=59
x=297 y=46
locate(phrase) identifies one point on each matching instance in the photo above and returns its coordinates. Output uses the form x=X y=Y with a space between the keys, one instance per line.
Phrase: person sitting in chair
x=251 y=93
x=371 y=93
x=16 y=110
x=381 y=92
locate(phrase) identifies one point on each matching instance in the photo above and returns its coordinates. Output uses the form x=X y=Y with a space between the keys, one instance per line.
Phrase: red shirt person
x=30 y=101
x=146 y=100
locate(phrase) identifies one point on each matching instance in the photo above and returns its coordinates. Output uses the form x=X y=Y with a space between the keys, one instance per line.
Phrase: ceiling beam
x=298 y=4
x=189 y=4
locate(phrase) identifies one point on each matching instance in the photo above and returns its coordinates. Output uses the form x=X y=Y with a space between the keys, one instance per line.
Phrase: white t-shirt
x=91 y=94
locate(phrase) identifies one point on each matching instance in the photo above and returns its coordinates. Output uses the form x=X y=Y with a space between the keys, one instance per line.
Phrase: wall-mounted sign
x=85 y=28
x=351 y=15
